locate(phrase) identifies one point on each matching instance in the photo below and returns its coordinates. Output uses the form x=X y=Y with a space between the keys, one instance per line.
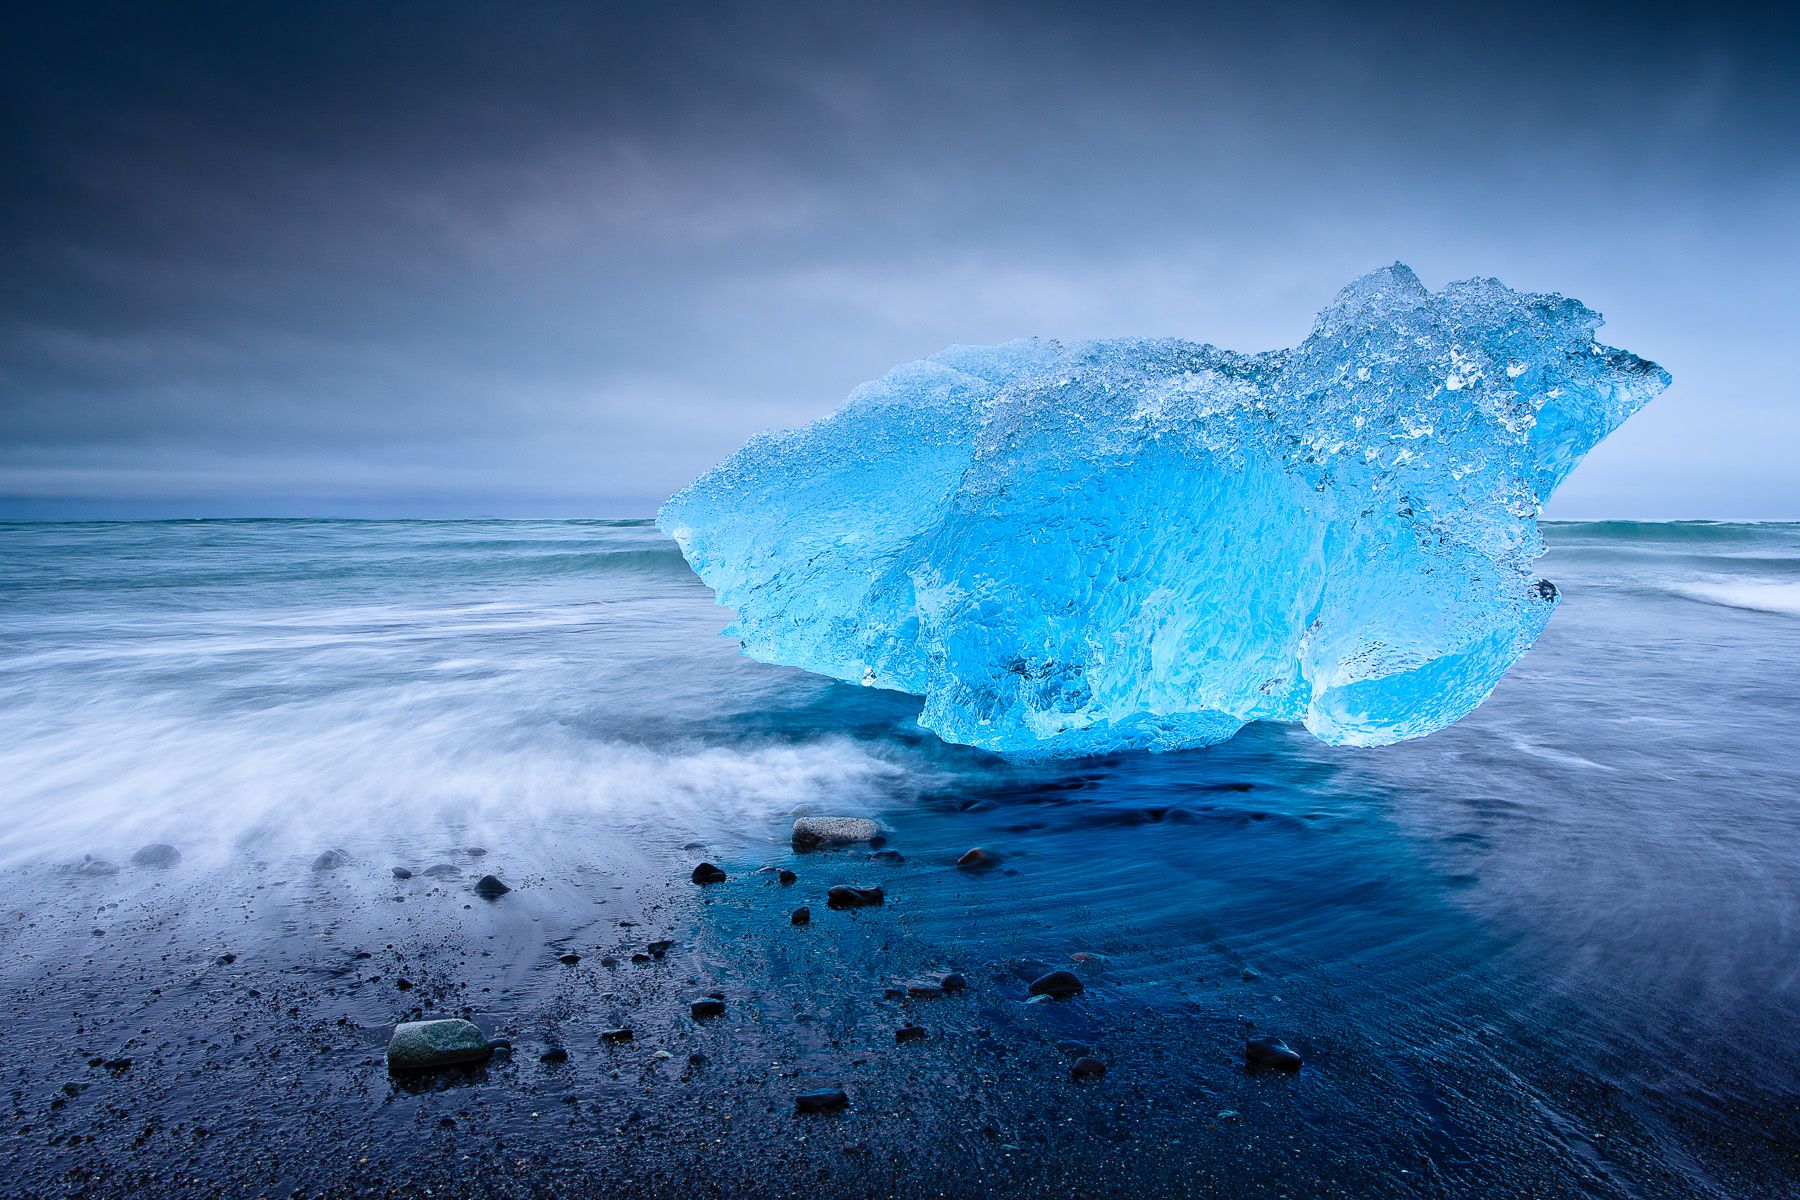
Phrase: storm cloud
x=543 y=259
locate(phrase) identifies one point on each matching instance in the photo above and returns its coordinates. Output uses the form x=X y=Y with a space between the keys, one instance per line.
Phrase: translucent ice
x=1075 y=548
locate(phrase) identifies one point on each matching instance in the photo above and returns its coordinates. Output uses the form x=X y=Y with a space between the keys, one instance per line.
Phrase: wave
x=1751 y=595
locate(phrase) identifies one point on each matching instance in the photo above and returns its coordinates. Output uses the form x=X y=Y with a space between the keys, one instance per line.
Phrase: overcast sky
x=528 y=259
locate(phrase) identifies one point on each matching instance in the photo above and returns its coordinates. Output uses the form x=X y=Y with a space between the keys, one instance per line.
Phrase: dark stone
x=1250 y=974
x=225 y=960
x=489 y=887
x=844 y=896
x=977 y=860
x=787 y=877
x=953 y=982
x=707 y=1006
x=475 y=851
x=1272 y=1053
x=157 y=854
x=891 y=856
x=443 y=871
x=568 y=959
x=823 y=1100
x=658 y=949
x=423 y=1045
x=615 y=1035
x=640 y=957
x=401 y=873
x=924 y=991
x=707 y=873
x=331 y=860
x=607 y=960
x=909 y=1033
x=403 y=984
x=1058 y=985
x=802 y=916
x=1087 y=1067
x=555 y=1054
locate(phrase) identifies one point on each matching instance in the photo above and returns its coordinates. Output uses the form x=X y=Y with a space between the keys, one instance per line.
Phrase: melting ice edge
x=1075 y=548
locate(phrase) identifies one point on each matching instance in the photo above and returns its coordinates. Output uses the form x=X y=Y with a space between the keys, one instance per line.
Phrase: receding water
x=1578 y=910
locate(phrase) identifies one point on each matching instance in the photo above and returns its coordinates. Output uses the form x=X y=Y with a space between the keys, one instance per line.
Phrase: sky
x=555 y=260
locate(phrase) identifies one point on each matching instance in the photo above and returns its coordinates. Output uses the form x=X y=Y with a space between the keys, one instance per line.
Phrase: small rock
x=640 y=957
x=474 y=851
x=401 y=873
x=924 y=991
x=568 y=960
x=443 y=871
x=331 y=860
x=555 y=1054
x=157 y=854
x=707 y=873
x=812 y=832
x=844 y=896
x=823 y=1100
x=615 y=1035
x=424 y=1045
x=977 y=860
x=1087 y=1067
x=787 y=877
x=225 y=960
x=1058 y=985
x=403 y=984
x=1250 y=974
x=802 y=916
x=91 y=866
x=707 y=1006
x=658 y=949
x=489 y=887
x=1271 y=1052
x=909 y=1033
x=953 y=982
x=891 y=856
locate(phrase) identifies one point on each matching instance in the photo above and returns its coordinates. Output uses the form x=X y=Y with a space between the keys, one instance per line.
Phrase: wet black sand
x=217 y=1028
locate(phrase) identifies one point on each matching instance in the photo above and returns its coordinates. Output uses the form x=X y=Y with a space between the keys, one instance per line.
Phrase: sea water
x=1594 y=877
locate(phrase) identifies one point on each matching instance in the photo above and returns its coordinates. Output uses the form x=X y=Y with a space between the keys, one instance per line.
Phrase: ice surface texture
x=1084 y=547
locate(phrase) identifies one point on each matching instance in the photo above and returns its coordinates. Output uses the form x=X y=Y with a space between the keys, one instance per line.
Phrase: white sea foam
x=1755 y=595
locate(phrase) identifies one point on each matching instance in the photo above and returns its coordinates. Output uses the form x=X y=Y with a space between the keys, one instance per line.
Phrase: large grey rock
x=811 y=832
x=423 y=1045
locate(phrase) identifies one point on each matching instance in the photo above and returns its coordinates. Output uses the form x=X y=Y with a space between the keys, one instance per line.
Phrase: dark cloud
x=537 y=258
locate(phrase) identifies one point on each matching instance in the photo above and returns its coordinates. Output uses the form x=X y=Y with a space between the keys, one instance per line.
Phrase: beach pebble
x=443 y=871
x=953 y=982
x=423 y=1045
x=802 y=916
x=925 y=990
x=157 y=854
x=707 y=873
x=823 y=1100
x=787 y=877
x=813 y=832
x=844 y=896
x=616 y=1035
x=909 y=1033
x=977 y=860
x=892 y=856
x=475 y=851
x=658 y=949
x=331 y=860
x=92 y=866
x=1058 y=985
x=568 y=959
x=555 y=1054
x=1271 y=1052
x=707 y=1006
x=401 y=873
x=1087 y=1067
x=489 y=887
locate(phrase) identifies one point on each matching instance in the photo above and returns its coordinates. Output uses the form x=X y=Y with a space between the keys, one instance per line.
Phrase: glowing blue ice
x=1075 y=548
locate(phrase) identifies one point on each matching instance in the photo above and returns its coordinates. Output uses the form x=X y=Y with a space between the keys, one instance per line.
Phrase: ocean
x=1553 y=949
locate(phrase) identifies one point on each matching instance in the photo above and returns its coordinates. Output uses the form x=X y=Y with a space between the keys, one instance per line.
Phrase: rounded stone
x=812 y=832
x=1058 y=985
x=425 y=1045
x=707 y=873
x=823 y=1100
x=157 y=854
x=844 y=896
x=1272 y=1053
x=1087 y=1067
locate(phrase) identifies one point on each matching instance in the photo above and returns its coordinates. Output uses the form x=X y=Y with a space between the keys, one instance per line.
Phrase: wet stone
x=157 y=854
x=331 y=860
x=489 y=887
x=707 y=873
x=1058 y=985
x=953 y=982
x=568 y=959
x=443 y=871
x=811 y=833
x=555 y=1054
x=425 y=1045
x=909 y=1033
x=707 y=1006
x=844 y=896
x=802 y=916
x=1272 y=1053
x=658 y=949
x=615 y=1035
x=400 y=872
x=1087 y=1067
x=788 y=878
x=977 y=860
x=823 y=1100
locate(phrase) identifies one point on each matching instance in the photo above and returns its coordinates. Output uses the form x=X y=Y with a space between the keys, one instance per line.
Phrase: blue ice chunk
x=1084 y=547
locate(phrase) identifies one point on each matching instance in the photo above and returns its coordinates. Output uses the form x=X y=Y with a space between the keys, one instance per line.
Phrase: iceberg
x=1076 y=548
